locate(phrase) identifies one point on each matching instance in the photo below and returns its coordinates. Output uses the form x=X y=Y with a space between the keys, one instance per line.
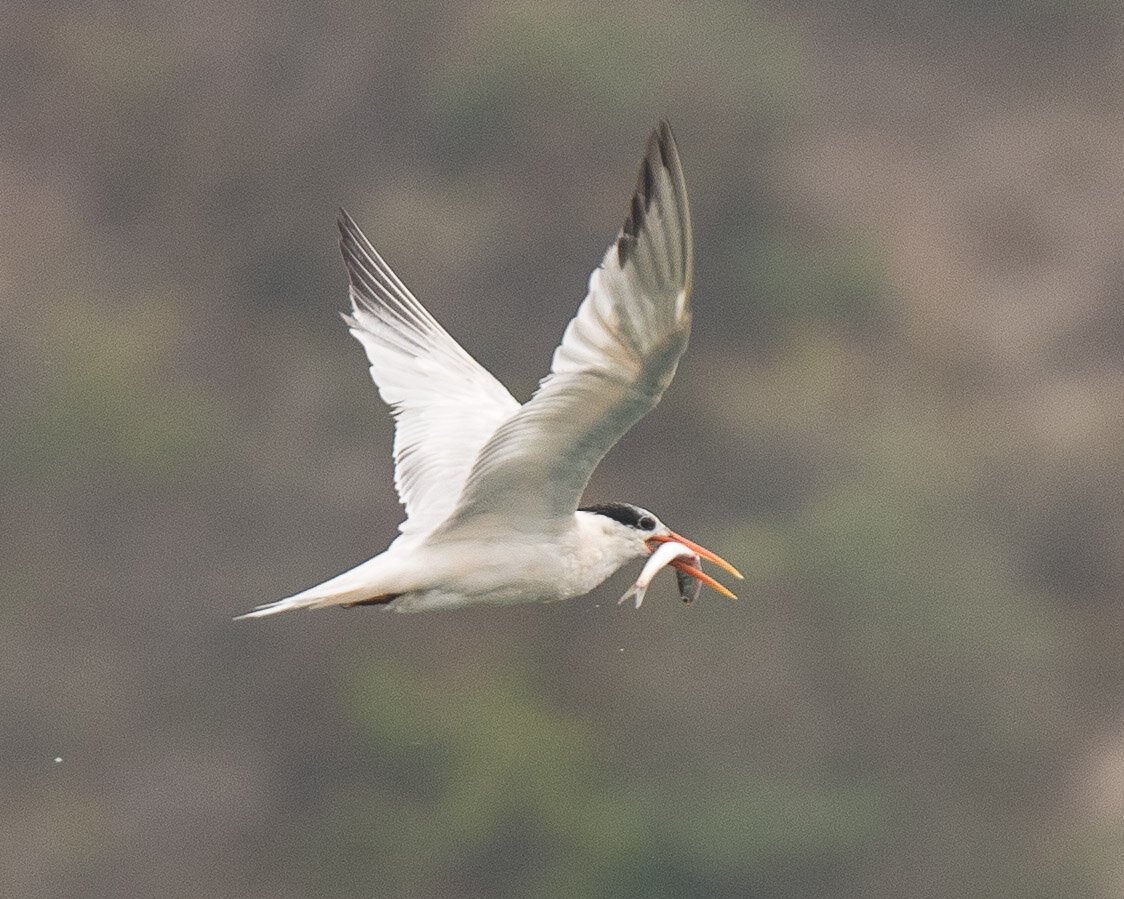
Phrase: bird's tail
x=362 y=585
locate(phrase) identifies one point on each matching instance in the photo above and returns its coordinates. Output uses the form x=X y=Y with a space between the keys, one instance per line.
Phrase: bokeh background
x=901 y=415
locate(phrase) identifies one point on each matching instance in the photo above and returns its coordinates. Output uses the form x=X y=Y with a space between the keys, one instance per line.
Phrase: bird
x=491 y=487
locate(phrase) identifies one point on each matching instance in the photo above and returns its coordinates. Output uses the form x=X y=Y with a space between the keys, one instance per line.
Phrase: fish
x=689 y=588
x=667 y=554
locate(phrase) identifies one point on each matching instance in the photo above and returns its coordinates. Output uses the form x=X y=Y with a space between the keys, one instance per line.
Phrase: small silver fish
x=666 y=554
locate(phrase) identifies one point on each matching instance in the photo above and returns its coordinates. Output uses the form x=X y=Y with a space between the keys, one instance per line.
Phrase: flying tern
x=491 y=487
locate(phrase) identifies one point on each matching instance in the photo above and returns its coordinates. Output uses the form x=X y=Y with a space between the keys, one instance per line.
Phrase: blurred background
x=901 y=415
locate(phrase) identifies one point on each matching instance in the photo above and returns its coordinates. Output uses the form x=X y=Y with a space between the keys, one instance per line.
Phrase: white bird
x=492 y=487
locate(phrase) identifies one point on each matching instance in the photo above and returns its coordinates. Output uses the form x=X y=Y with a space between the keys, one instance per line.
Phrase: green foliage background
x=900 y=416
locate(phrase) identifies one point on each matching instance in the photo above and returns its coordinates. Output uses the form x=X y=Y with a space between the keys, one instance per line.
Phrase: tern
x=492 y=488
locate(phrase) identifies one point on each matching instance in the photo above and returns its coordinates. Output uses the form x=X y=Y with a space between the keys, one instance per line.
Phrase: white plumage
x=491 y=488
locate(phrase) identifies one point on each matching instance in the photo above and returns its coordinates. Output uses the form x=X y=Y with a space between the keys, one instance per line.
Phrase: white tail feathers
x=359 y=584
x=304 y=601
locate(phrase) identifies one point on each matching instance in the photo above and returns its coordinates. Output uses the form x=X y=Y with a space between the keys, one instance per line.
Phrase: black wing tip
x=353 y=242
x=353 y=247
x=347 y=226
x=661 y=151
x=663 y=141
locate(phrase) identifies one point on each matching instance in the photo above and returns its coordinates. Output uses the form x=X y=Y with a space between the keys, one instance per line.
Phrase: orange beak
x=704 y=553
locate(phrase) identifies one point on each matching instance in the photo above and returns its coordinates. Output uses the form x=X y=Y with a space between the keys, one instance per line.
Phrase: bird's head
x=637 y=532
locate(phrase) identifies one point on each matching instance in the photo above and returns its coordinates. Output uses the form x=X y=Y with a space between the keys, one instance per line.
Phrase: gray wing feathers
x=617 y=357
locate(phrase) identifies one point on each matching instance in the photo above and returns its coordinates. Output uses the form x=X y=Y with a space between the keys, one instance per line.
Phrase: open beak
x=687 y=568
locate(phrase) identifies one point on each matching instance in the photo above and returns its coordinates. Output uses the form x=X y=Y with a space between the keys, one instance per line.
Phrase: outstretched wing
x=446 y=405
x=617 y=357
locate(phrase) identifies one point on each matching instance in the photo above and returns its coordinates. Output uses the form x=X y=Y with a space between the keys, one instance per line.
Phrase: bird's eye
x=647 y=523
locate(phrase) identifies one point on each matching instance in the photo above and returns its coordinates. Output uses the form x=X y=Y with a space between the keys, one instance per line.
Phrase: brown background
x=900 y=415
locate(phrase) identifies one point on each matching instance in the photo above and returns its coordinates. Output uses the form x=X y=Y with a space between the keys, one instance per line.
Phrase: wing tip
x=665 y=142
x=663 y=152
x=371 y=282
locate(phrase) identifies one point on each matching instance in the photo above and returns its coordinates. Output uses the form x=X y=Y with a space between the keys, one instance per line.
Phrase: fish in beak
x=685 y=556
x=693 y=566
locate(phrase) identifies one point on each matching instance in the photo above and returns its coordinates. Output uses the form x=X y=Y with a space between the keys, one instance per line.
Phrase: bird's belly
x=506 y=577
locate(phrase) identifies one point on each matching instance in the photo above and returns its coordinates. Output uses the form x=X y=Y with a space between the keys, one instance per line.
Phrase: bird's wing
x=617 y=357
x=446 y=405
